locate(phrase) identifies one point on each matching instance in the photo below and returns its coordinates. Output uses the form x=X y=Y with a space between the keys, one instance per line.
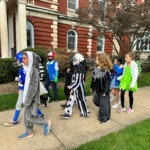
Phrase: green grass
x=134 y=137
x=144 y=80
x=8 y=101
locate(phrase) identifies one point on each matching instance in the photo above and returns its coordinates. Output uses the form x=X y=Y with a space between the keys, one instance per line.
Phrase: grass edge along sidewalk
x=133 y=137
x=8 y=101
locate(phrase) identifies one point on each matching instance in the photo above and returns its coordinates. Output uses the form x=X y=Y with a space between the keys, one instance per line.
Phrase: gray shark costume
x=31 y=95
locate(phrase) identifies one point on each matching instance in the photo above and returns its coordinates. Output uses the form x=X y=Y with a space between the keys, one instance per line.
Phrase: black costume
x=100 y=85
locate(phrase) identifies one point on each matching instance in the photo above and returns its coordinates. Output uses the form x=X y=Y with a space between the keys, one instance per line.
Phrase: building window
x=144 y=43
x=102 y=9
x=30 y=35
x=72 y=41
x=100 y=44
x=73 y=4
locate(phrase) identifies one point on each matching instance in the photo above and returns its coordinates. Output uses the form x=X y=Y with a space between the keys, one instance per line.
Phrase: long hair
x=104 y=62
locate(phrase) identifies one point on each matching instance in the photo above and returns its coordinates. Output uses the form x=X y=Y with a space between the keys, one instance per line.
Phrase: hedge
x=7 y=71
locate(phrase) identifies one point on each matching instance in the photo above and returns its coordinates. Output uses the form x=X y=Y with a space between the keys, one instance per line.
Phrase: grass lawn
x=8 y=101
x=134 y=137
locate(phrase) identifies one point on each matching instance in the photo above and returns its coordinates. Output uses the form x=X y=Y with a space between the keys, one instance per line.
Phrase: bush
x=7 y=71
x=41 y=52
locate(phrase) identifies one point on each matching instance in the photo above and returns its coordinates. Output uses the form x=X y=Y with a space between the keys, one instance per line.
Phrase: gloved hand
x=56 y=80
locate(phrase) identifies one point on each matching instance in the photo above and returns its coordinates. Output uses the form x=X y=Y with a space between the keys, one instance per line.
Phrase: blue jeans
x=48 y=82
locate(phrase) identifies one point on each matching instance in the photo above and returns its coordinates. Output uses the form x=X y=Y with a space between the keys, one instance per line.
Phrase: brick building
x=48 y=23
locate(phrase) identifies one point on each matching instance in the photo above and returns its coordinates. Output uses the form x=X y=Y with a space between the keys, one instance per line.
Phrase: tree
x=121 y=21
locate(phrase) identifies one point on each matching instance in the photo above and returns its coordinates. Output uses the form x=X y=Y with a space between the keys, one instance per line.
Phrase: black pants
x=130 y=98
x=104 y=110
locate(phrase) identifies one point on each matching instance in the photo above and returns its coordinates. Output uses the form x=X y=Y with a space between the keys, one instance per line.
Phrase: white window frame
x=71 y=9
x=103 y=42
x=76 y=41
x=143 y=38
x=32 y=33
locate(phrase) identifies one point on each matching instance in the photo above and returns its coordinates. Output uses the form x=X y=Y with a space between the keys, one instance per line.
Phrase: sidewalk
x=68 y=134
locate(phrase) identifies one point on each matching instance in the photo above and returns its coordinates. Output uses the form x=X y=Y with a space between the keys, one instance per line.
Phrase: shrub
x=41 y=52
x=7 y=71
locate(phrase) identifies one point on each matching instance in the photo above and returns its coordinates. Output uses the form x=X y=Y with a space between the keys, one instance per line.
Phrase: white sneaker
x=48 y=99
x=112 y=97
x=115 y=106
x=119 y=100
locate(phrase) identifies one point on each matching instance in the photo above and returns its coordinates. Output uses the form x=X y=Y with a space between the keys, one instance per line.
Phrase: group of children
x=116 y=77
x=105 y=76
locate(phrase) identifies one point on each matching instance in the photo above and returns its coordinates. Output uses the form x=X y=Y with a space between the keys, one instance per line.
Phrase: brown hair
x=105 y=62
x=131 y=55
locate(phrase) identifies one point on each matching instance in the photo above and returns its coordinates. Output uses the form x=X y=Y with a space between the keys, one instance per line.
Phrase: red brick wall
x=62 y=7
x=42 y=4
x=82 y=40
x=83 y=3
x=42 y=31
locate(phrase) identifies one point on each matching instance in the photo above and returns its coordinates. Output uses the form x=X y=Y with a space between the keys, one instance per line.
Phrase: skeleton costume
x=31 y=95
x=100 y=85
x=77 y=88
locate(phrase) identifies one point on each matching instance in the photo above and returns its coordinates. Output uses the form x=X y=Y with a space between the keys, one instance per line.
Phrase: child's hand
x=121 y=66
x=69 y=87
x=56 y=80
x=104 y=95
x=71 y=92
x=16 y=78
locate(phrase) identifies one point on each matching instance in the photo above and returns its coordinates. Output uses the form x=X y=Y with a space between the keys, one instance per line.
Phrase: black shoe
x=45 y=104
x=104 y=122
x=63 y=105
x=65 y=116
x=42 y=116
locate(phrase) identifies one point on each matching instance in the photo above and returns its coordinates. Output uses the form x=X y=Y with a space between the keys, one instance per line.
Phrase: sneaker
x=45 y=104
x=42 y=116
x=63 y=105
x=65 y=116
x=104 y=122
x=48 y=99
x=47 y=128
x=11 y=123
x=55 y=100
x=129 y=111
x=115 y=106
x=26 y=135
x=121 y=110
x=112 y=97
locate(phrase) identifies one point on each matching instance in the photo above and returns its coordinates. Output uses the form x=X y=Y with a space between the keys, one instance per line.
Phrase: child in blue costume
x=21 y=81
x=52 y=76
x=118 y=69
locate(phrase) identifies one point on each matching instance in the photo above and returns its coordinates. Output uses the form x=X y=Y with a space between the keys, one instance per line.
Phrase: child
x=68 y=77
x=77 y=89
x=31 y=96
x=52 y=75
x=42 y=88
x=118 y=69
x=21 y=81
x=101 y=84
x=128 y=81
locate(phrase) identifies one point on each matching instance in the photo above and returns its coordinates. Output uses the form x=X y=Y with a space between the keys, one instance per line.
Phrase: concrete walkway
x=68 y=134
